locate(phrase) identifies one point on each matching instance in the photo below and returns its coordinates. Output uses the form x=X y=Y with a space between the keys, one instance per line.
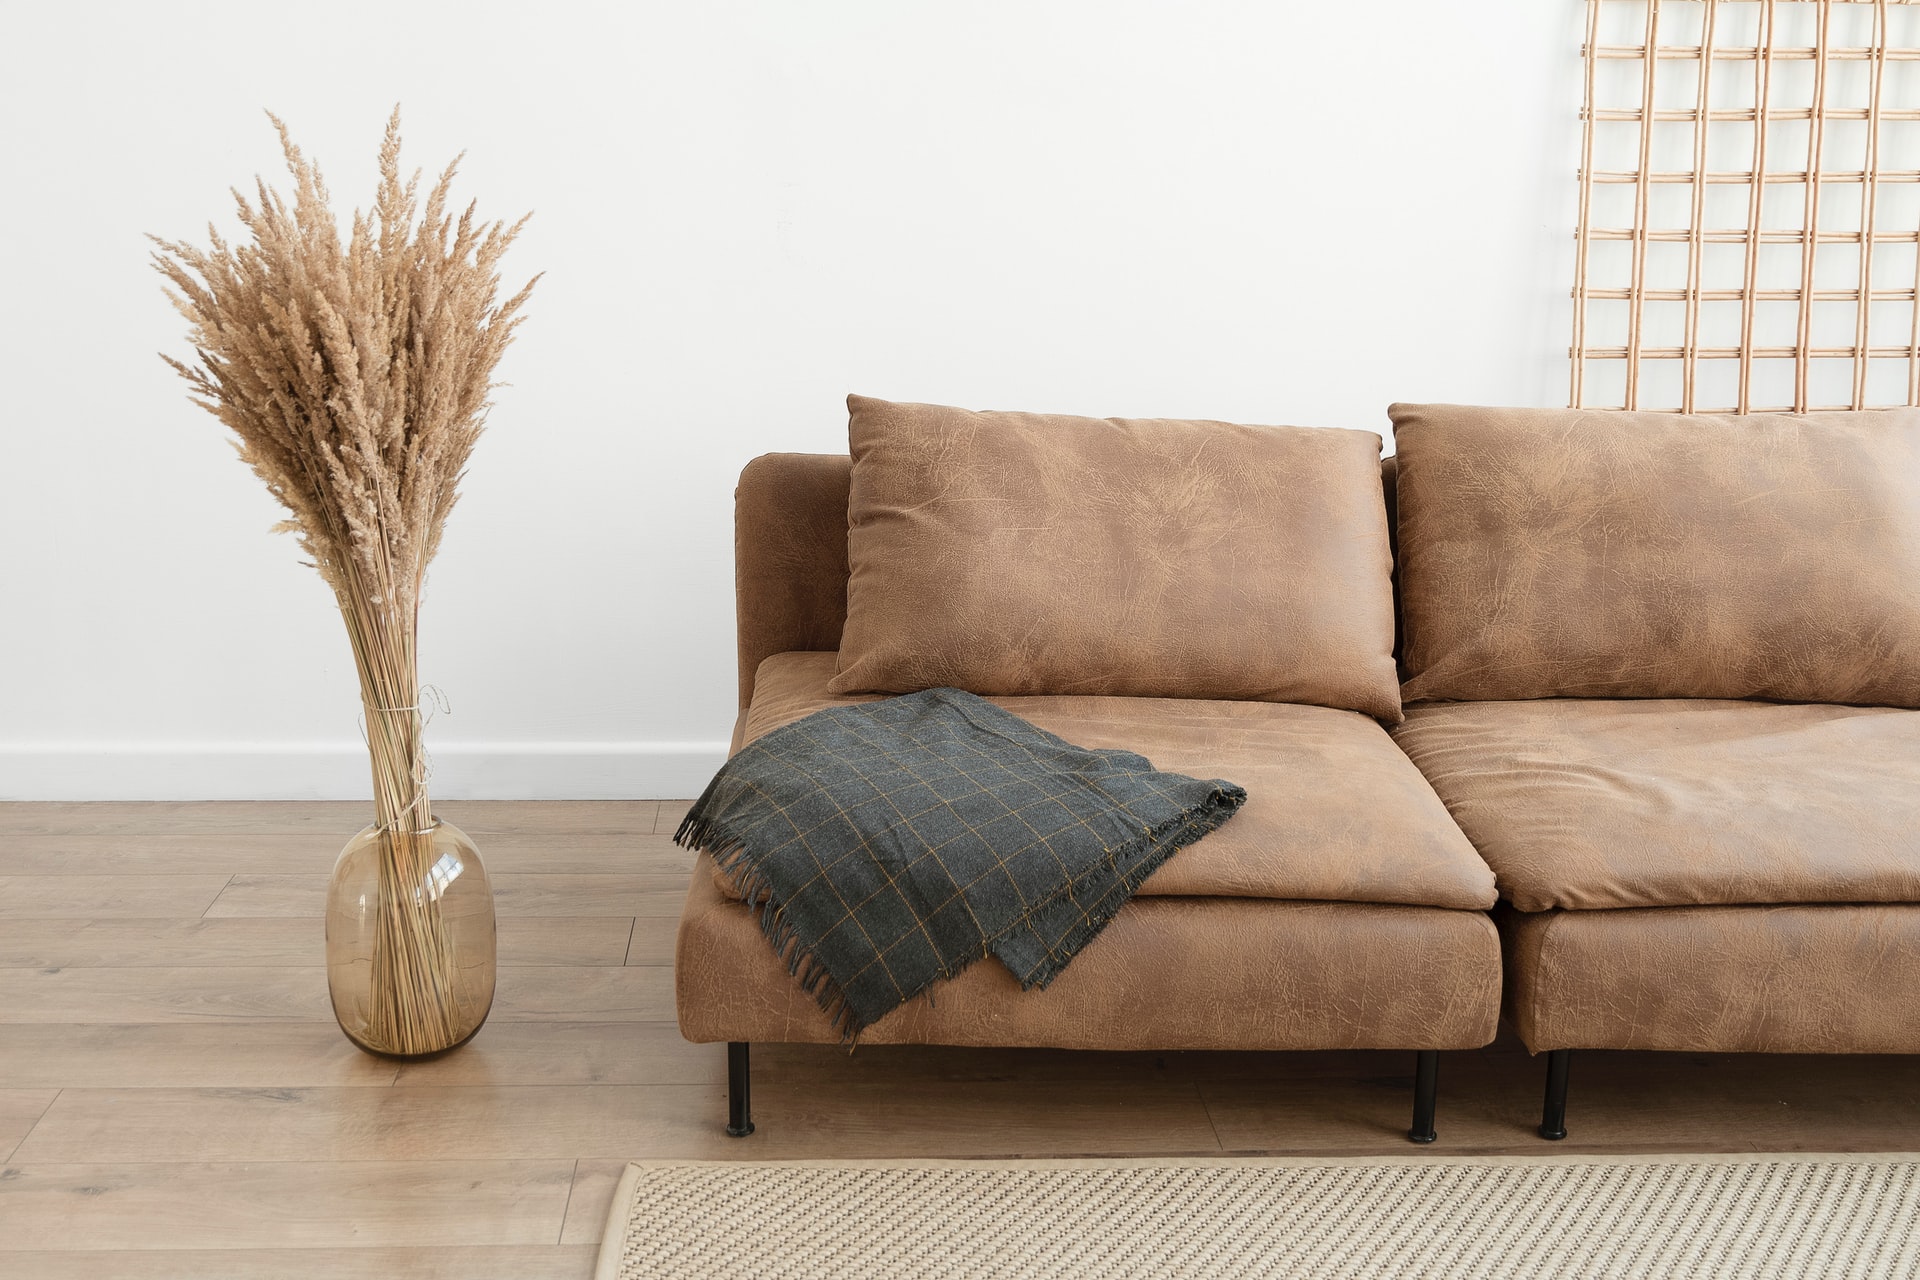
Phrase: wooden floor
x=175 y=1100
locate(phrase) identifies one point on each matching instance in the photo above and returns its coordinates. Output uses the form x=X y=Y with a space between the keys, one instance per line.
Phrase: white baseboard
x=338 y=771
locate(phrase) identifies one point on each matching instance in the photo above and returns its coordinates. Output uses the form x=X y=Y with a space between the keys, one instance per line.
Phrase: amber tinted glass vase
x=410 y=940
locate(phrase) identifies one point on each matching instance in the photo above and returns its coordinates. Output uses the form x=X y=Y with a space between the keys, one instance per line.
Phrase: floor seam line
x=216 y=897
x=1206 y=1109
x=15 y=1149
x=560 y=1236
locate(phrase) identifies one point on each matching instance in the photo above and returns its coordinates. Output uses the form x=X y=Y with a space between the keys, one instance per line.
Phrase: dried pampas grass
x=355 y=376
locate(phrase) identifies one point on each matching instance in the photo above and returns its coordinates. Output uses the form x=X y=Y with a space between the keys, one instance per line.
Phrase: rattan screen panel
x=1749 y=226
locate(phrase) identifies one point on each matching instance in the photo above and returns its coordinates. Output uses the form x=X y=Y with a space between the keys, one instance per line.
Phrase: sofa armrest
x=790 y=556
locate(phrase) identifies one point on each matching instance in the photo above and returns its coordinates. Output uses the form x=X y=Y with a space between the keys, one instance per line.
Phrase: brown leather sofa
x=1735 y=872
x=1341 y=908
x=1662 y=671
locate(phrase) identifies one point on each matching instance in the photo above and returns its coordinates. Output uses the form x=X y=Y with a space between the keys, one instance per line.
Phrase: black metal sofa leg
x=739 y=1091
x=1553 y=1116
x=1426 y=1088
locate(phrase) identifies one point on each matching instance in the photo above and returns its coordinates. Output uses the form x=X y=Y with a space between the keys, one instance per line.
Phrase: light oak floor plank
x=223 y=853
x=550 y=817
x=203 y=1205
x=566 y=993
x=175 y=942
x=87 y=897
x=635 y=853
x=538 y=993
x=571 y=941
x=594 y=1182
x=652 y=941
x=501 y=1262
x=668 y=814
x=506 y=1053
x=224 y=1055
x=143 y=818
x=610 y=1122
x=439 y=1123
x=964 y=1119
x=640 y=894
x=653 y=894
x=200 y=994
x=19 y=1110
x=314 y=852
x=297 y=941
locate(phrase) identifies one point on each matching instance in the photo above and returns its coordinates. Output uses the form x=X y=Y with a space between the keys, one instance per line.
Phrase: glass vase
x=410 y=940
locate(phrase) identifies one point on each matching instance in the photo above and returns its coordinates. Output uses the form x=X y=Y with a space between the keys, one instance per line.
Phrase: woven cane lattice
x=1749 y=227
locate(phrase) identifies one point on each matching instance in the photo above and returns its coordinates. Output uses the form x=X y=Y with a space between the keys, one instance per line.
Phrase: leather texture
x=789 y=556
x=1574 y=553
x=1016 y=553
x=1606 y=804
x=1167 y=973
x=1786 y=979
x=1389 y=483
x=1334 y=810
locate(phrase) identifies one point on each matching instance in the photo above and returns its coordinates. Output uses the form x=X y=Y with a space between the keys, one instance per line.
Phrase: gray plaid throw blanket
x=890 y=844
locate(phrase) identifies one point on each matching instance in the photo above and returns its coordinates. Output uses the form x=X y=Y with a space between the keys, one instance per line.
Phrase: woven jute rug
x=1567 y=1218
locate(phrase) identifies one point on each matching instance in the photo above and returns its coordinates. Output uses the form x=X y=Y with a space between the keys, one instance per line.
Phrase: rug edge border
x=1216 y=1161
x=606 y=1265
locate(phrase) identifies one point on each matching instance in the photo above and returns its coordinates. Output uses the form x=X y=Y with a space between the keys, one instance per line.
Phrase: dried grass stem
x=355 y=375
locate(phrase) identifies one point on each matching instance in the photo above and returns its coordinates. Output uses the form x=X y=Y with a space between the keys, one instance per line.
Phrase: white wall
x=1269 y=212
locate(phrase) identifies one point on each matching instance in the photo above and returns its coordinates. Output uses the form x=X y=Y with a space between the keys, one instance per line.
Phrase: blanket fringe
x=729 y=852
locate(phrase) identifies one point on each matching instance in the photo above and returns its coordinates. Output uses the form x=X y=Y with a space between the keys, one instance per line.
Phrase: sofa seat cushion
x=1167 y=973
x=1334 y=811
x=1777 y=979
x=1584 y=804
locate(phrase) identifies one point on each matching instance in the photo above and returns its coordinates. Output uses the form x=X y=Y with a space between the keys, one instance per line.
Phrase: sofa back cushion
x=1018 y=553
x=1574 y=553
